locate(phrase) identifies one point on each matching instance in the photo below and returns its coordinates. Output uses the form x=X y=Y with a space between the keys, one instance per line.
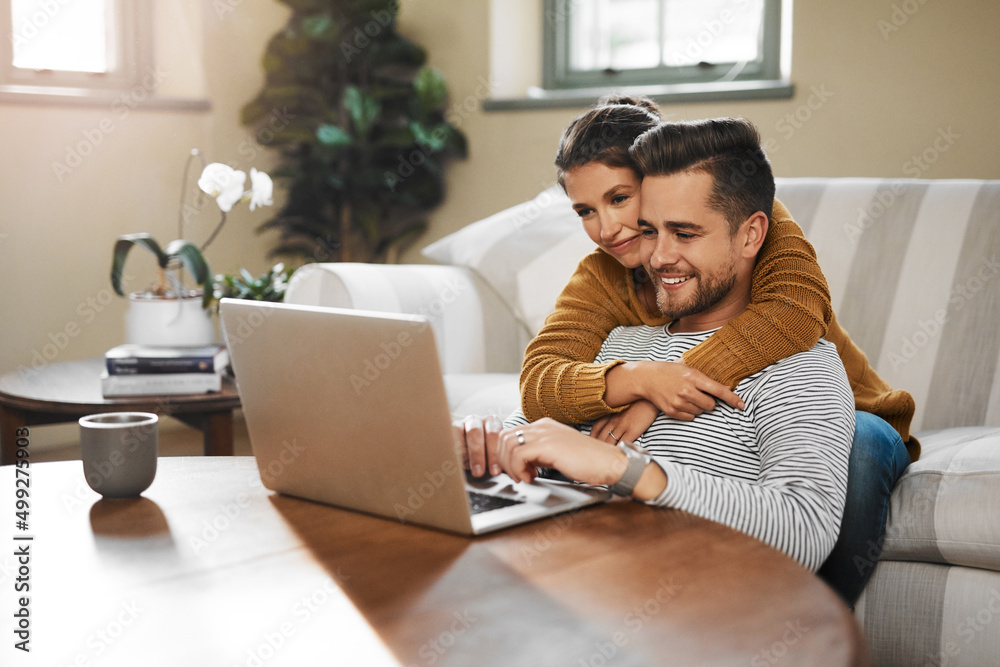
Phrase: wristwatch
x=637 y=460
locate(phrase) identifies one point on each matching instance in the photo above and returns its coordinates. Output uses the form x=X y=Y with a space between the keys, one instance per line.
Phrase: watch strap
x=637 y=460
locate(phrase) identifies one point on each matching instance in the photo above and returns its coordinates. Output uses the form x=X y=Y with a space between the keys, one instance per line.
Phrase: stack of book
x=137 y=370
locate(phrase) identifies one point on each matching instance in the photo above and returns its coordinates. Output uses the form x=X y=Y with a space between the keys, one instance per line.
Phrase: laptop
x=348 y=408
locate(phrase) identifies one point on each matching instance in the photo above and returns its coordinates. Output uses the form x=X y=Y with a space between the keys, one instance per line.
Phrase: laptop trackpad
x=532 y=493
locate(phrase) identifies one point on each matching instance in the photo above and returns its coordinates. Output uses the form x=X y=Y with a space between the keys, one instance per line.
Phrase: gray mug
x=119 y=451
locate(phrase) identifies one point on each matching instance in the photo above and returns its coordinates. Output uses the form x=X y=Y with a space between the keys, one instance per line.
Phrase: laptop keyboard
x=483 y=502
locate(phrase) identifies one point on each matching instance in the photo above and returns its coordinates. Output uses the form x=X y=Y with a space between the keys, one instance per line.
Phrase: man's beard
x=709 y=291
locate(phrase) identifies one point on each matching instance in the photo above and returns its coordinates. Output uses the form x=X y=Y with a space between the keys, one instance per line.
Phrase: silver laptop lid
x=348 y=408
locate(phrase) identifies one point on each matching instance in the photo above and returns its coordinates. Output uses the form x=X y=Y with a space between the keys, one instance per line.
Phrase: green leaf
x=320 y=28
x=434 y=139
x=364 y=109
x=456 y=142
x=123 y=245
x=333 y=136
x=192 y=259
x=431 y=89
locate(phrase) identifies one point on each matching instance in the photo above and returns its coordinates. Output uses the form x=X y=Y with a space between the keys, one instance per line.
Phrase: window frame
x=131 y=31
x=557 y=77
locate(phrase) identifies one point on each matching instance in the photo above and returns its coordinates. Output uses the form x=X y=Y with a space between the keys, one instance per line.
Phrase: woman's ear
x=755 y=231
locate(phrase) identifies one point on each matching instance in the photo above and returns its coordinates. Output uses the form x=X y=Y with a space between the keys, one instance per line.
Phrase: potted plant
x=169 y=313
x=361 y=125
x=269 y=286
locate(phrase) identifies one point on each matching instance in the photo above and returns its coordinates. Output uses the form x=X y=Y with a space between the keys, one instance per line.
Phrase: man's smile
x=671 y=281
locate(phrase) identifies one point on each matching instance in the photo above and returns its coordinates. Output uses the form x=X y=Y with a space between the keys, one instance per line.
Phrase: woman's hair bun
x=640 y=101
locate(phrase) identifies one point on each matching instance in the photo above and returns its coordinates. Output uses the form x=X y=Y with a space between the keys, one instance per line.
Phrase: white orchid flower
x=224 y=183
x=261 y=189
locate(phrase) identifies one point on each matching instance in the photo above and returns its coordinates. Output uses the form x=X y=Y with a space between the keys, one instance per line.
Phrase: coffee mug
x=119 y=451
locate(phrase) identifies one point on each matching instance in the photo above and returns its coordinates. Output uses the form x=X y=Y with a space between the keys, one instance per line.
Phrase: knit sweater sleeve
x=559 y=378
x=789 y=310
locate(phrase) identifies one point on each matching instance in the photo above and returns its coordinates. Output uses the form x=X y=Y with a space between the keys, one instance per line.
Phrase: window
x=661 y=43
x=75 y=48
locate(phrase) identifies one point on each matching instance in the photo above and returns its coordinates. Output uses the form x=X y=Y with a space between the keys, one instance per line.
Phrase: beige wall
x=885 y=98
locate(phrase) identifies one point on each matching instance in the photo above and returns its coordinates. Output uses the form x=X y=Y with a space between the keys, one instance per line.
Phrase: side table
x=64 y=392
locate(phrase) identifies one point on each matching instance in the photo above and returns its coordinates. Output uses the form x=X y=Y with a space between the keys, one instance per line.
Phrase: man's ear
x=754 y=232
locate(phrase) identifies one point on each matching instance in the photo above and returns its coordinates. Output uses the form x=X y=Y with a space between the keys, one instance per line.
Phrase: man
x=777 y=469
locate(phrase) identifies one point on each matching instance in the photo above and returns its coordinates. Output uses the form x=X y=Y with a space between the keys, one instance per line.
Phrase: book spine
x=144 y=366
x=163 y=383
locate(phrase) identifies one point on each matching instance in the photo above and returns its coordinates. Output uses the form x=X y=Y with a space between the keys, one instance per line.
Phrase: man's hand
x=548 y=444
x=628 y=424
x=673 y=387
x=476 y=439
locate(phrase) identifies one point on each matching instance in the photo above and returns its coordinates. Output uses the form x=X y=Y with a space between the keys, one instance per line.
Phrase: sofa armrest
x=474 y=332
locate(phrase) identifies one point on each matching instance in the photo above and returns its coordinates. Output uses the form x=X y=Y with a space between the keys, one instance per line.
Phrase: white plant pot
x=167 y=320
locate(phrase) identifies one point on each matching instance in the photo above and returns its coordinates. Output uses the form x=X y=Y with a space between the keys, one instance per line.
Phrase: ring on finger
x=520 y=437
x=613 y=436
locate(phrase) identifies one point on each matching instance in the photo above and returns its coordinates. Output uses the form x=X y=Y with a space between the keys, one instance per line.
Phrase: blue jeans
x=878 y=458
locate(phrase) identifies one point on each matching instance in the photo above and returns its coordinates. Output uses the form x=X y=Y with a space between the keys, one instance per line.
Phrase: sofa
x=914 y=273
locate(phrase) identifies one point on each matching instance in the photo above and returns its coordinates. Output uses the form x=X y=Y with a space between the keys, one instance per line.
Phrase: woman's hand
x=674 y=388
x=628 y=424
x=548 y=444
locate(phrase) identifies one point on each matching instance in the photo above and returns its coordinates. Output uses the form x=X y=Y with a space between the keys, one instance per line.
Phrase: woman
x=790 y=311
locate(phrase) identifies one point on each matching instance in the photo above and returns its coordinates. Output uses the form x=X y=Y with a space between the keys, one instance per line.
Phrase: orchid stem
x=215 y=231
x=161 y=288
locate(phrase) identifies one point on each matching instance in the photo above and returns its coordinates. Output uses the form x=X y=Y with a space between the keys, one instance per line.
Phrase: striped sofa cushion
x=930 y=614
x=944 y=507
x=914 y=274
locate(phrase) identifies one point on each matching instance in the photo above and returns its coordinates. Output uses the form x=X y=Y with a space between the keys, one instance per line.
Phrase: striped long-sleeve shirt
x=776 y=470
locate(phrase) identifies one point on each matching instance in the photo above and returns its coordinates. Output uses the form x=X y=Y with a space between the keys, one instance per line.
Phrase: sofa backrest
x=914 y=273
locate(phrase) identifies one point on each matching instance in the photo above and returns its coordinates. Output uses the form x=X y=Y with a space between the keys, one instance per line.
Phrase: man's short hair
x=728 y=149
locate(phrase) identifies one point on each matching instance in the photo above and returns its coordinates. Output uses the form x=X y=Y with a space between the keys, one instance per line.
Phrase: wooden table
x=209 y=568
x=64 y=392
